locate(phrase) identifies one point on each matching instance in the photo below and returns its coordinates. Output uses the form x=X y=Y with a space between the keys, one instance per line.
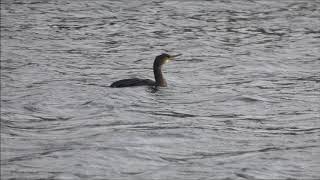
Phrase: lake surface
x=242 y=101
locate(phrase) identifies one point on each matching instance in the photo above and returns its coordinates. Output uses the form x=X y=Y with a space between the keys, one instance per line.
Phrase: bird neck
x=160 y=81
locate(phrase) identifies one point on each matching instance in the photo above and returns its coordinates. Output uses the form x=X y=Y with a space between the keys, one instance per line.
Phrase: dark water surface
x=241 y=103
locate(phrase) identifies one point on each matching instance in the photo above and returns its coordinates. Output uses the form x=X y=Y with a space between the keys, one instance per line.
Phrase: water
x=242 y=102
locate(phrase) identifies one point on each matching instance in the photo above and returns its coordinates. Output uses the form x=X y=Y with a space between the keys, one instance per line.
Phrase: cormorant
x=157 y=70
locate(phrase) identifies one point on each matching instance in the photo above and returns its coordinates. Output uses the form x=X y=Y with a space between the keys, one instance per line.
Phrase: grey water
x=242 y=102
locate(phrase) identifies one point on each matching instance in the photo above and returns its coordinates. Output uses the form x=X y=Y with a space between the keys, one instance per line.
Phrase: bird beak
x=174 y=56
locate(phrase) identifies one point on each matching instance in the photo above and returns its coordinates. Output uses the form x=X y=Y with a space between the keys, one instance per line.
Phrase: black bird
x=157 y=70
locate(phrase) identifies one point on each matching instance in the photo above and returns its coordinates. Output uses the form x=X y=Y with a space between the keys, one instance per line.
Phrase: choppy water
x=242 y=102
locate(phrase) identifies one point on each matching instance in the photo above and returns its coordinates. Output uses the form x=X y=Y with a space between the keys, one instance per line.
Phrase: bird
x=157 y=70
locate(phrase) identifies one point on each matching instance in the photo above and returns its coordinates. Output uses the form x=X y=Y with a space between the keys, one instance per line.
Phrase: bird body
x=133 y=82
